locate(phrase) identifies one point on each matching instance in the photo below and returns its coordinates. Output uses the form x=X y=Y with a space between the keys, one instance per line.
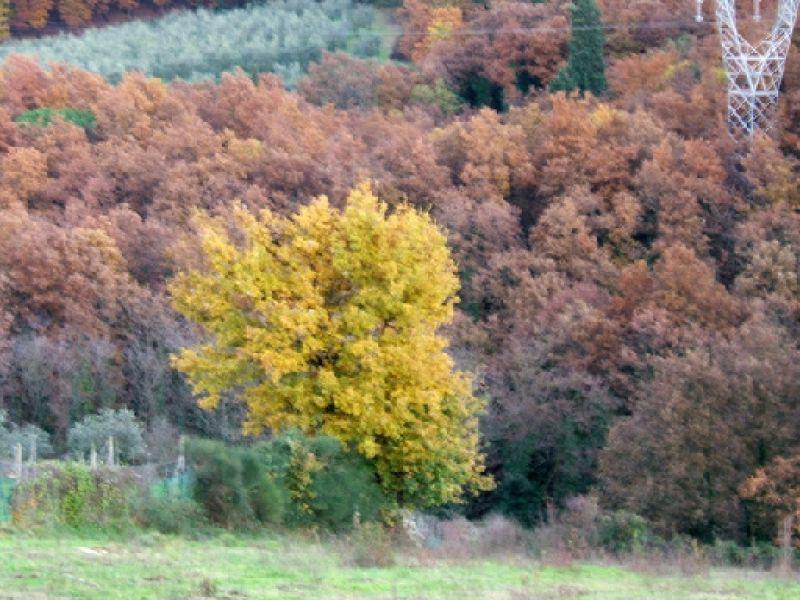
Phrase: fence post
x=18 y=461
x=110 y=460
x=181 y=466
x=32 y=457
x=787 y=549
x=32 y=451
x=93 y=458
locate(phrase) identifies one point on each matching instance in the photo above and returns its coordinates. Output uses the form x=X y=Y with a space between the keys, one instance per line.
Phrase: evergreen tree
x=585 y=70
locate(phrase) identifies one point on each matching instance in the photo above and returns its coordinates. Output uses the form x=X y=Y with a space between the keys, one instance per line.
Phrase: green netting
x=179 y=486
x=6 y=489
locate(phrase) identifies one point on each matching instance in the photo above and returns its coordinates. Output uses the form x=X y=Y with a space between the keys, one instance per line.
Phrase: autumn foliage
x=30 y=15
x=327 y=321
x=628 y=277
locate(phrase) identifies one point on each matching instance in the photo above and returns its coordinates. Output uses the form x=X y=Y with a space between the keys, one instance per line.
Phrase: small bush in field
x=501 y=535
x=170 y=514
x=280 y=37
x=372 y=546
x=622 y=532
x=459 y=537
x=70 y=495
x=95 y=430
x=578 y=523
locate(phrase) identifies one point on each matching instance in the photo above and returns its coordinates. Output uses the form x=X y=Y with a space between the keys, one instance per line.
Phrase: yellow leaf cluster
x=5 y=13
x=303 y=465
x=327 y=322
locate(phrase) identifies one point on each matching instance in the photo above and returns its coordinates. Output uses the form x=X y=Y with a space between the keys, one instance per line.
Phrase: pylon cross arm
x=752 y=106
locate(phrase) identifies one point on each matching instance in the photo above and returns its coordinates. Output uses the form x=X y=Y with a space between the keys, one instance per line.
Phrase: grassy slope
x=157 y=567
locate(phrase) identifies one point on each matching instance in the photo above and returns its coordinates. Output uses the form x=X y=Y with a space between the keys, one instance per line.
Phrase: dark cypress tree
x=585 y=70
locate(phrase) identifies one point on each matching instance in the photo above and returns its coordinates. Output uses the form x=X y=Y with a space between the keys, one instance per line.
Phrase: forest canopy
x=628 y=275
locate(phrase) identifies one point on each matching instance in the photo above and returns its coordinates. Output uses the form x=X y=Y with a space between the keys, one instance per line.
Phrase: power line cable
x=605 y=27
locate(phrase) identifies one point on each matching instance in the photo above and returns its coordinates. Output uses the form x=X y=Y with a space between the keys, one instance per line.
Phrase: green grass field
x=228 y=567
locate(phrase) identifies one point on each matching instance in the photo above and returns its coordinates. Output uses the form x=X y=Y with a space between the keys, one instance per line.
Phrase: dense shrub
x=312 y=469
x=170 y=514
x=267 y=498
x=219 y=485
x=292 y=480
x=760 y=555
x=234 y=487
x=94 y=430
x=622 y=532
x=71 y=495
x=280 y=37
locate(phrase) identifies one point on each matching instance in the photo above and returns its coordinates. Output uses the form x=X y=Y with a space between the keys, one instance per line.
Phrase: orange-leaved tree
x=327 y=322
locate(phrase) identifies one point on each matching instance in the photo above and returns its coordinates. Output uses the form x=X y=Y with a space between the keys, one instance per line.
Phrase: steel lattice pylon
x=754 y=72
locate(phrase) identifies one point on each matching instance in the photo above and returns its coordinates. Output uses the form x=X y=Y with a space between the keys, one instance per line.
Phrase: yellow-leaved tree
x=327 y=322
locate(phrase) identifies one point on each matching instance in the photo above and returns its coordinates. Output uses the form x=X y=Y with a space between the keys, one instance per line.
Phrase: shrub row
x=290 y=481
x=282 y=37
x=584 y=530
x=293 y=481
x=71 y=495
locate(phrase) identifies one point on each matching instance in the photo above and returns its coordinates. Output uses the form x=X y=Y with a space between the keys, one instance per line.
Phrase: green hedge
x=292 y=480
